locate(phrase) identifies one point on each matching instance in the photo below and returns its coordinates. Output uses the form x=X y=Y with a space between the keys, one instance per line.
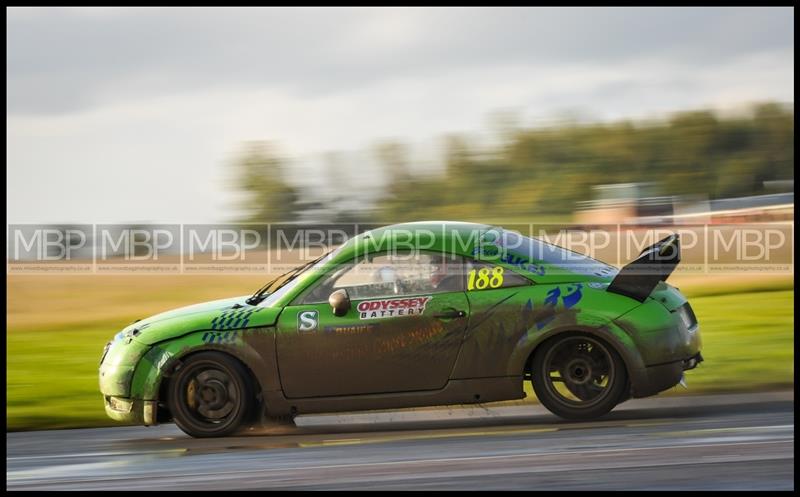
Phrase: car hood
x=223 y=314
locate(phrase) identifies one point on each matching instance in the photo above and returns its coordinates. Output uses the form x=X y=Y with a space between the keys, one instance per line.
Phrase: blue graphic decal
x=527 y=314
x=574 y=297
x=513 y=259
x=232 y=319
x=220 y=337
x=568 y=300
x=350 y=329
x=552 y=296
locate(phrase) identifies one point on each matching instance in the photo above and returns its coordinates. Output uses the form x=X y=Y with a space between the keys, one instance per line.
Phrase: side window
x=485 y=276
x=386 y=275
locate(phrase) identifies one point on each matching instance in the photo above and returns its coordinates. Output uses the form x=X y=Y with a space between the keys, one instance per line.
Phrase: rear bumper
x=134 y=411
x=655 y=379
x=667 y=339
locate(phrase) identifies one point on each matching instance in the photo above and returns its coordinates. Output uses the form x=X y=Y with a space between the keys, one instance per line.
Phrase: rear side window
x=485 y=276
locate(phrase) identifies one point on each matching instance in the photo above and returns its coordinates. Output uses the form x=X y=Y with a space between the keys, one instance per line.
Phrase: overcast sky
x=118 y=115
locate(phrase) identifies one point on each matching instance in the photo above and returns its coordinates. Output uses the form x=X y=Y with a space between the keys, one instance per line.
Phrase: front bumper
x=119 y=361
x=133 y=411
x=117 y=366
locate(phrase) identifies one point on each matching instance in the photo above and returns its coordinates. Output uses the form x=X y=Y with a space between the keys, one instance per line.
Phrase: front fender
x=254 y=347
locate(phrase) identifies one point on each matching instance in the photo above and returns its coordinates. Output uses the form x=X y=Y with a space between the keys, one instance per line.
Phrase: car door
x=402 y=333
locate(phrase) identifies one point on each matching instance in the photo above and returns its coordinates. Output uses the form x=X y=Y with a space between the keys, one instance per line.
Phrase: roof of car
x=452 y=236
x=444 y=228
x=455 y=238
x=546 y=261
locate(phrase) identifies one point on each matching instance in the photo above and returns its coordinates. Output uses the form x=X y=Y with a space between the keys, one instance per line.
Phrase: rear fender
x=601 y=328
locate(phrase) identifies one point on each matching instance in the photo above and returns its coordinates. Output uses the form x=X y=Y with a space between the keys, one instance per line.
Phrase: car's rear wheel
x=210 y=395
x=578 y=376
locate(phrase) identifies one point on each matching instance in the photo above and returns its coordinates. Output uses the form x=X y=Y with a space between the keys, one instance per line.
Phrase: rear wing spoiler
x=639 y=277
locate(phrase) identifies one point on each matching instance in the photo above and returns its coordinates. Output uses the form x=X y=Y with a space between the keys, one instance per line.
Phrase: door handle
x=451 y=314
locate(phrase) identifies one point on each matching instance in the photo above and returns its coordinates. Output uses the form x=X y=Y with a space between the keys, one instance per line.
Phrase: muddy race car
x=408 y=315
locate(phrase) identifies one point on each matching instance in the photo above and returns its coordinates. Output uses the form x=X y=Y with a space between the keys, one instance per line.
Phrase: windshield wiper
x=261 y=294
x=257 y=297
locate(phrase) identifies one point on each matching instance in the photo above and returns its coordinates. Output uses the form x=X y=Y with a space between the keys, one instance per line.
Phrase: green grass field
x=57 y=327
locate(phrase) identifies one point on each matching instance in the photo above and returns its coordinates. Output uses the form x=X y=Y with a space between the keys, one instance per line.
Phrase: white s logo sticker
x=307 y=320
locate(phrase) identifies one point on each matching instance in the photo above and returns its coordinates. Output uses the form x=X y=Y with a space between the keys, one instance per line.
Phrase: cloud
x=62 y=60
x=135 y=114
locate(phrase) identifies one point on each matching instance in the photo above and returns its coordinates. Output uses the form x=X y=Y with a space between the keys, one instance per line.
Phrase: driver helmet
x=386 y=274
x=439 y=269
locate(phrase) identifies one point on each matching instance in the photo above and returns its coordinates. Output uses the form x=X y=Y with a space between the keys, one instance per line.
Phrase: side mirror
x=340 y=302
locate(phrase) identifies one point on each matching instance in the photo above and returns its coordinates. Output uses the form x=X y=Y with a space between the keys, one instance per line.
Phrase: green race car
x=407 y=315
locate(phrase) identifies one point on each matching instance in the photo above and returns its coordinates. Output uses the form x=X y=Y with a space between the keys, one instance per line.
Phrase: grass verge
x=53 y=352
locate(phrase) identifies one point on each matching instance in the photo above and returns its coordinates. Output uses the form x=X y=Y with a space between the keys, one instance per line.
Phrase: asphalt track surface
x=722 y=442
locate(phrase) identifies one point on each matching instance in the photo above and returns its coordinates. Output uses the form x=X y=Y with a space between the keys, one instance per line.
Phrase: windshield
x=291 y=283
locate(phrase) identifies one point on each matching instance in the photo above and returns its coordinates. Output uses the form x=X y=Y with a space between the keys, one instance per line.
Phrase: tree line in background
x=539 y=172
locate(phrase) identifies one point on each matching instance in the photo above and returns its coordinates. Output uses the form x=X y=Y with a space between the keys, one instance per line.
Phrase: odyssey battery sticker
x=387 y=308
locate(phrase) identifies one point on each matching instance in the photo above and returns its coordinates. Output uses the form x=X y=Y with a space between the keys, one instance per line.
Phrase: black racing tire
x=210 y=395
x=589 y=369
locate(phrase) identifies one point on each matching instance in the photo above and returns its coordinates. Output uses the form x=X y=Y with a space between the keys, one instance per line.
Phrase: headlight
x=687 y=316
x=105 y=351
x=119 y=336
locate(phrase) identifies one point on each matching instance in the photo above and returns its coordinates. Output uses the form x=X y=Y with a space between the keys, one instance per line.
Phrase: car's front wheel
x=578 y=376
x=210 y=395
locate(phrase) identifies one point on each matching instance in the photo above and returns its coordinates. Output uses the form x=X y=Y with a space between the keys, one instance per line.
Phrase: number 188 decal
x=484 y=278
